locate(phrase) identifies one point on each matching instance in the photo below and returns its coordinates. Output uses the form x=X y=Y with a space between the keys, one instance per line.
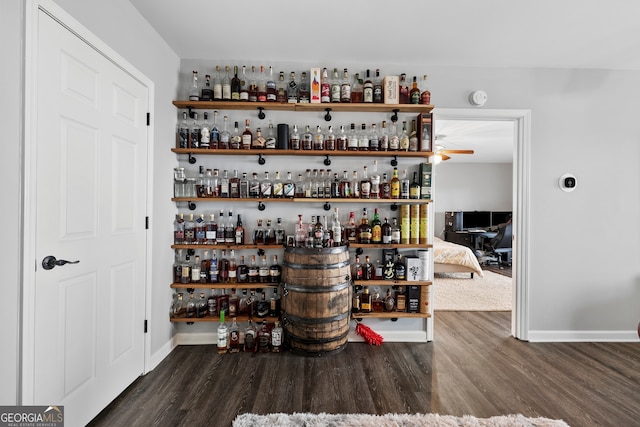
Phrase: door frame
x=521 y=171
x=28 y=249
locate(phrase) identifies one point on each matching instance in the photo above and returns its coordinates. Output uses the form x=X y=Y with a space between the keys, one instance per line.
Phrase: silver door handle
x=50 y=262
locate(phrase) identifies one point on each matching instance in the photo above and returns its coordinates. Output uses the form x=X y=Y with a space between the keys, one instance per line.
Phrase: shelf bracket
x=191 y=206
x=261 y=206
x=260 y=252
x=327 y=206
x=359 y=251
x=261 y=160
x=394 y=207
x=394 y=117
x=192 y=160
x=190 y=108
x=327 y=117
x=327 y=160
x=191 y=252
x=394 y=161
x=261 y=114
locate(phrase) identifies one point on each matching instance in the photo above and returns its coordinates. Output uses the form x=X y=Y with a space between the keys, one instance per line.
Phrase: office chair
x=500 y=246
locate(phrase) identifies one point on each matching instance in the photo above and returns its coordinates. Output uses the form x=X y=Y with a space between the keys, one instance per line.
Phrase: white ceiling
x=588 y=34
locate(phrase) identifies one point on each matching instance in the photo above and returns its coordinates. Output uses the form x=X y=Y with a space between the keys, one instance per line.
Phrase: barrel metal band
x=316 y=266
x=307 y=251
x=315 y=321
x=316 y=340
x=316 y=289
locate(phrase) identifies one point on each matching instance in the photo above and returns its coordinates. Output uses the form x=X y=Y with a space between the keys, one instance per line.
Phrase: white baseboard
x=159 y=356
x=583 y=336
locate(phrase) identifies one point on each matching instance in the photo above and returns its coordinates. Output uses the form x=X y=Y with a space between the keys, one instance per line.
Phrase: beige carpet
x=458 y=292
x=389 y=420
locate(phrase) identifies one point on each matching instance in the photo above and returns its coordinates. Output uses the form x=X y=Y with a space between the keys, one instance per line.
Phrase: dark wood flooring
x=473 y=367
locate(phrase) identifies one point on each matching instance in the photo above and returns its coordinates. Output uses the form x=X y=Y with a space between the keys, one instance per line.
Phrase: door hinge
x=148 y=119
x=146 y=222
x=145 y=326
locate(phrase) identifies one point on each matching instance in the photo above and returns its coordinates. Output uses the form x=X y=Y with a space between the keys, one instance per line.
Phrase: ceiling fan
x=443 y=153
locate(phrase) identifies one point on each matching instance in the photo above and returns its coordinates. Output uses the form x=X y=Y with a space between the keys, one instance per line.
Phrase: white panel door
x=90 y=207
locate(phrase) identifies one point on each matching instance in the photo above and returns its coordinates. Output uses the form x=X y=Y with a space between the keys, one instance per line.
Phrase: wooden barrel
x=316 y=299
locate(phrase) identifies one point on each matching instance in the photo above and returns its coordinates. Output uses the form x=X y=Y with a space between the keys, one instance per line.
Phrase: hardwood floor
x=473 y=367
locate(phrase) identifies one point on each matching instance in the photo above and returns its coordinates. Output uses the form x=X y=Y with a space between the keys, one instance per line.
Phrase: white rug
x=389 y=420
x=458 y=292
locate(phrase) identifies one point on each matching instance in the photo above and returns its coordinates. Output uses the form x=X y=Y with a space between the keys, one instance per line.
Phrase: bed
x=453 y=258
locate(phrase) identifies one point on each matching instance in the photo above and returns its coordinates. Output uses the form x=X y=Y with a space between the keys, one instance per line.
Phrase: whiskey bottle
x=413 y=137
x=394 y=138
x=178 y=230
x=352 y=139
x=414 y=93
x=325 y=87
x=389 y=301
x=384 y=137
x=270 y=138
x=247 y=136
x=364 y=230
x=378 y=93
x=336 y=86
x=226 y=85
x=224 y=184
x=377 y=303
x=276 y=338
x=189 y=230
x=236 y=85
x=425 y=96
x=234 y=303
x=250 y=338
x=306 y=141
x=266 y=186
x=351 y=230
x=278 y=187
x=414 y=188
x=230 y=230
x=318 y=139
x=292 y=89
x=356 y=269
x=263 y=271
x=206 y=93
x=263 y=305
x=395 y=185
x=342 y=140
x=404 y=138
x=367 y=89
x=356 y=89
x=294 y=139
x=395 y=232
x=355 y=300
x=220 y=230
x=243 y=190
x=275 y=271
x=262 y=86
x=376 y=228
x=404 y=185
x=178 y=308
x=217 y=85
x=367 y=269
x=386 y=231
x=183 y=132
x=234 y=185
x=234 y=337
x=223 y=331
x=403 y=90
x=365 y=185
x=191 y=306
x=336 y=229
x=194 y=133
x=304 y=91
x=400 y=269
x=253 y=270
x=253 y=85
x=194 y=92
x=242 y=272
x=279 y=233
x=259 y=142
x=254 y=186
x=258 y=234
x=318 y=233
x=213 y=267
x=223 y=268
x=264 y=338
x=365 y=301
x=212 y=303
x=345 y=87
x=288 y=187
x=374 y=138
x=244 y=85
x=200 y=230
x=385 y=188
x=239 y=232
x=214 y=142
x=330 y=139
x=225 y=135
x=363 y=138
x=272 y=91
x=269 y=235
x=281 y=95
x=301 y=234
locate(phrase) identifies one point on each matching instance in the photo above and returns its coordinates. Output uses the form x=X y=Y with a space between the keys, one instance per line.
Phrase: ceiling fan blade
x=457 y=151
x=444 y=156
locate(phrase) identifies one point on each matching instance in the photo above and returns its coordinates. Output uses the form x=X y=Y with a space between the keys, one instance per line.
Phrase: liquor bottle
x=243 y=304
x=395 y=185
x=394 y=138
x=178 y=308
x=308 y=184
x=243 y=186
x=272 y=91
x=395 y=232
x=378 y=270
x=200 y=230
x=345 y=186
x=279 y=233
x=253 y=85
x=281 y=95
x=367 y=269
x=236 y=85
x=404 y=185
x=263 y=305
x=223 y=302
x=223 y=268
x=225 y=135
x=263 y=271
x=300 y=234
x=250 y=338
x=220 y=229
x=183 y=132
x=266 y=186
x=367 y=89
x=318 y=139
x=195 y=270
x=376 y=228
x=374 y=191
x=189 y=230
x=191 y=306
x=403 y=142
x=264 y=338
x=330 y=139
x=212 y=303
x=364 y=230
x=325 y=87
x=385 y=188
x=234 y=337
x=276 y=338
x=253 y=270
x=355 y=300
x=335 y=186
x=327 y=184
x=292 y=89
x=223 y=331
x=275 y=270
x=304 y=90
x=306 y=140
x=269 y=235
x=314 y=184
x=208 y=182
x=342 y=140
x=194 y=92
x=177 y=266
x=234 y=302
x=383 y=138
x=278 y=187
x=352 y=139
x=336 y=86
x=385 y=230
x=356 y=269
x=378 y=93
x=234 y=185
x=377 y=303
x=414 y=93
x=425 y=96
x=374 y=138
x=194 y=133
x=178 y=230
x=299 y=187
x=425 y=139
x=217 y=85
x=242 y=271
x=230 y=230
x=414 y=188
x=288 y=187
x=345 y=87
x=226 y=85
x=206 y=93
x=336 y=229
x=239 y=232
x=413 y=137
x=365 y=301
x=311 y=226
x=403 y=90
x=262 y=86
x=318 y=233
x=213 y=267
x=356 y=89
x=254 y=186
x=270 y=141
x=224 y=184
x=258 y=234
x=214 y=142
x=294 y=139
x=252 y=303
x=363 y=138
x=244 y=85
x=247 y=136
x=400 y=269
x=365 y=185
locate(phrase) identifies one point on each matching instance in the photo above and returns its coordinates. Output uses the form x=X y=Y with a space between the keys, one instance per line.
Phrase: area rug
x=458 y=292
x=389 y=420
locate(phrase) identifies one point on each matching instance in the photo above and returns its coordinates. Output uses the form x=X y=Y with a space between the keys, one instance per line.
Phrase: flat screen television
x=498 y=218
x=476 y=219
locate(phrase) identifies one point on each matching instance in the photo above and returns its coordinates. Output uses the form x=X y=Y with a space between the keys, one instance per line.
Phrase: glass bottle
x=308 y=184
x=395 y=185
x=263 y=270
x=351 y=230
x=374 y=138
x=363 y=138
x=191 y=306
x=345 y=87
x=217 y=85
x=294 y=139
x=242 y=271
x=206 y=93
x=394 y=138
x=355 y=185
x=234 y=302
x=264 y=338
x=385 y=230
x=289 y=187
x=223 y=331
x=246 y=138
x=342 y=141
x=205 y=132
x=299 y=187
x=224 y=184
x=318 y=139
x=404 y=185
x=414 y=187
x=259 y=141
x=258 y=234
x=336 y=86
x=223 y=267
x=239 y=232
x=276 y=337
x=356 y=269
x=377 y=303
x=304 y=91
x=278 y=186
x=325 y=87
x=243 y=191
x=183 y=132
x=178 y=308
x=234 y=336
x=389 y=301
x=262 y=86
x=395 y=232
x=400 y=269
x=345 y=185
x=281 y=95
x=376 y=228
x=306 y=140
x=301 y=233
x=336 y=229
x=270 y=140
x=367 y=88
x=235 y=85
x=365 y=185
x=383 y=138
x=177 y=266
x=213 y=267
x=195 y=270
x=266 y=186
x=404 y=138
x=330 y=139
x=414 y=92
x=385 y=188
x=425 y=96
x=269 y=235
x=365 y=301
x=364 y=230
x=254 y=186
x=263 y=305
x=403 y=90
x=225 y=135
x=178 y=229
x=292 y=89
x=201 y=306
x=250 y=338
x=413 y=137
x=194 y=92
x=367 y=269
x=253 y=85
x=378 y=270
x=279 y=233
x=352 y=139
x=194 y=133
x=357 y=89
x=253 y=270
x=230 y=230
x=378 y=93
x=243 y=304
x=318 y=233
x=226 y=85
x=214 y=136
x=244 y=85
x=189 y=230
x=272 y=91
x=275 y=270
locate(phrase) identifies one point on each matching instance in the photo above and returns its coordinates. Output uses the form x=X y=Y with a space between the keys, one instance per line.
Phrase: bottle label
x=376 y=234
x=276 y=337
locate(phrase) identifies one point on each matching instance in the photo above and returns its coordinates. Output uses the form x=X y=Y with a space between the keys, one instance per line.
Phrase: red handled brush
x=369 y=335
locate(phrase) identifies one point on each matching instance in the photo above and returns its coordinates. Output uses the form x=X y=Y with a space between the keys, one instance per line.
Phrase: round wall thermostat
x=478 y=98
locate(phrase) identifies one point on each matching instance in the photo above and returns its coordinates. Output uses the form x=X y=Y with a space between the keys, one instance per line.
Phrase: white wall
x=471 y=187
